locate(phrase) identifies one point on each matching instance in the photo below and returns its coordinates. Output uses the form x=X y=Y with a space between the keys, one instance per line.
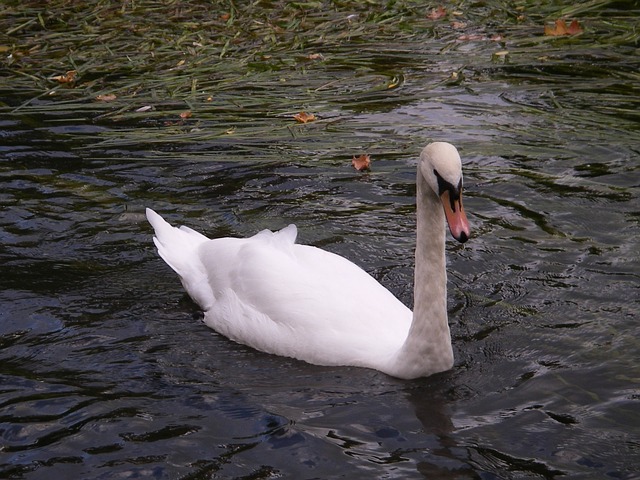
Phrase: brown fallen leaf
x=574 y=28
x=437 y=13
x=315 y=56
x=185 y=115
x=68 y=77
x=362 y=162
x=107 y=97
x=474 y=37
x=304 y=117
x=560 y=28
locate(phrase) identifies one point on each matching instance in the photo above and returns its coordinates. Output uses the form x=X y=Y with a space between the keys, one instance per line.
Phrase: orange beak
x=456 y=218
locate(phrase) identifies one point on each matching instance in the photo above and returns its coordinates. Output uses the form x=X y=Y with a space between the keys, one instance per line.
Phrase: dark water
x=106 y=371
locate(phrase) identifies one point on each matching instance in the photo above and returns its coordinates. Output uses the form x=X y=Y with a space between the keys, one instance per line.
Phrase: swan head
x=441 y=168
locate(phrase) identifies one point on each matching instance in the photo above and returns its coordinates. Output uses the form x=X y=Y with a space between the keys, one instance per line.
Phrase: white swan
x=299 y=301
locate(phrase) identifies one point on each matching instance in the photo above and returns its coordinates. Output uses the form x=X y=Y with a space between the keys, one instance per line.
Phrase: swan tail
x=178 y=247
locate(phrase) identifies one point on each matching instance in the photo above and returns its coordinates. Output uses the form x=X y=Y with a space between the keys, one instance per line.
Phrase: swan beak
x=456 y=218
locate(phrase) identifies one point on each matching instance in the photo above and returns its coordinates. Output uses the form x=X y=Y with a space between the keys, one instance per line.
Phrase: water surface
x=107 y=372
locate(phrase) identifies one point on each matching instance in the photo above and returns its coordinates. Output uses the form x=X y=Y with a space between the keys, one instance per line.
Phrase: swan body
x=300 y=301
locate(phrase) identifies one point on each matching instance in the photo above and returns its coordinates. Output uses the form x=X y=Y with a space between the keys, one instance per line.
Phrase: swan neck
x=430 y=280
x=427 y=349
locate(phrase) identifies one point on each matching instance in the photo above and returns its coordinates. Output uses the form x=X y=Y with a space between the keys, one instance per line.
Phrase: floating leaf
x=362 y=162
x=304 y=117
x=185 y=115
x=107 y=97
x=68 y=77
x=560 y=28
x=574 y=28
x=474 y=37
x=437 y=13
x=394 y=82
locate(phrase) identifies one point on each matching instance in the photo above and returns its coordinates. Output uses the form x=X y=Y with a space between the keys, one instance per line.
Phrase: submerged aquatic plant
x=240 y=68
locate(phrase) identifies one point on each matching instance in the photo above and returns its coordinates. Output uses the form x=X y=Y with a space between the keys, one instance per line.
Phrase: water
x=107 y=372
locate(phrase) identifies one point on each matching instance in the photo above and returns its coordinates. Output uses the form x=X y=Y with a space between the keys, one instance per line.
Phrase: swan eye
x=443 y=186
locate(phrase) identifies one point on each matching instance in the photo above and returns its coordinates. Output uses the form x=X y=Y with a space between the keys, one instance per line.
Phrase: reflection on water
x=106 y=371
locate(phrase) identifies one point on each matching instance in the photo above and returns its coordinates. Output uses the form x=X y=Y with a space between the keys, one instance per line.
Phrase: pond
x=106 y=370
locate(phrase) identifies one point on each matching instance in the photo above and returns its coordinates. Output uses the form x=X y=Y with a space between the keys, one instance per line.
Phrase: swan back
x=301 y=302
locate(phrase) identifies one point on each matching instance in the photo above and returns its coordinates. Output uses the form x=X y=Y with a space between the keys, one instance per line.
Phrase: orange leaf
x=574 y=28
x=107 y=97
x=304 y=117
x=185 y=115
x=362 y=162
x=437 y=13
x=560 y=28
x=68 y=77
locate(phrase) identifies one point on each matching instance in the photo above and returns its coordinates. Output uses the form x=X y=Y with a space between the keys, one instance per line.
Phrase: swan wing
x=300 y=301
